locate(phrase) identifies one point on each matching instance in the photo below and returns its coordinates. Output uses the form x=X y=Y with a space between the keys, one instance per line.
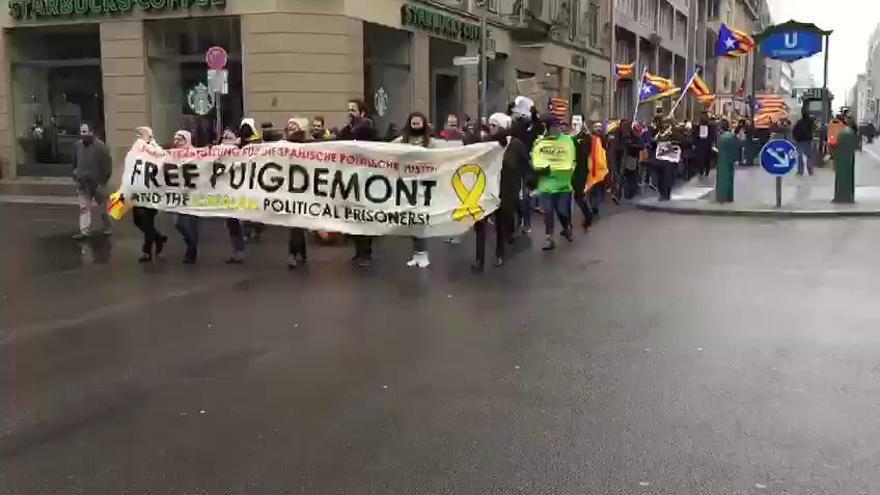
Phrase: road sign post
x=778 y=157
x=216 y=59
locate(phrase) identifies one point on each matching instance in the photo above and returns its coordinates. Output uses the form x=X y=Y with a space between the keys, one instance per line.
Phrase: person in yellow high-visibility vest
x=553 y=158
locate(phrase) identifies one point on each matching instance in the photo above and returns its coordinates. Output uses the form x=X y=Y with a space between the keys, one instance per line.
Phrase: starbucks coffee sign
x=429 y=20
x=32 y=10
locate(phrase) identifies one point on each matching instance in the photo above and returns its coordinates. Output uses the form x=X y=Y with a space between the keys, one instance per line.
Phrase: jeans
x=559 y=203
x=296 y=242
x=236 y=236
x=86 y=195
x=503 y=231
x=188 y=226
x=363 y=247
x=582 y=200
x=145 y=220
x=665 y=178
x=524 y=209
x=805 y=155
x=420 y=244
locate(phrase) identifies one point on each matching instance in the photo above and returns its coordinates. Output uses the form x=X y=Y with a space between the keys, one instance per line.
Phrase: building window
x=593 y=23
x=574 y=21
x=178 y=79
x=628 y=7
x=648 y=12
x=714 y=9
x=56 y=86
x=681 y=26
x=597 y=98
x=666 y=17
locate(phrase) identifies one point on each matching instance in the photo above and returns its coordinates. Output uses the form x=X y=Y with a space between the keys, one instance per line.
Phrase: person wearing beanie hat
x=145 y=218
x=515 y=170
x=553 y=158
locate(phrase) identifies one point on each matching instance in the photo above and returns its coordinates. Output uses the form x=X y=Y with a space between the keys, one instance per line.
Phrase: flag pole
x=681 y=97
x=639 y=94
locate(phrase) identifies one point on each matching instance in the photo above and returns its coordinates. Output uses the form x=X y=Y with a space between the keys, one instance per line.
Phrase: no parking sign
x=216 y=57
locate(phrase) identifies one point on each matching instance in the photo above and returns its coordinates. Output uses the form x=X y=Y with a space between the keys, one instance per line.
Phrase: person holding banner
x=553 y=158
x=359 y=128
x=515 y=169
x=145 y=218
x=415 y=132
x=187 y=225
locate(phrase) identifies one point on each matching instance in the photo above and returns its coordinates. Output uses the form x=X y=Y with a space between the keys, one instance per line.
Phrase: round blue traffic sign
x=778 y=156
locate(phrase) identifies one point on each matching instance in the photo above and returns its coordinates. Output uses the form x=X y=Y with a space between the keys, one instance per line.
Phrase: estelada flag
x=702 y=91
x=769 y=109
x=656 y=87
x=598 y=163
x=733 y=43
x=558 y=107
x=625 y=71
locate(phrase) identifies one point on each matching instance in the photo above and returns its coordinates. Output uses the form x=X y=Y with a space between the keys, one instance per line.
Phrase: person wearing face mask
x=359 y=128
x=415 y=132
x=92 y=167
x=515 y=169
x=145 y=218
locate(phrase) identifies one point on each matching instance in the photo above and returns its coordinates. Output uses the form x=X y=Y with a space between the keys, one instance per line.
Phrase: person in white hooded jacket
x=145 y=218
x=187 y=225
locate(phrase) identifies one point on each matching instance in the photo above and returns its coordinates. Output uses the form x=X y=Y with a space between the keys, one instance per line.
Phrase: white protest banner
x=343 y=186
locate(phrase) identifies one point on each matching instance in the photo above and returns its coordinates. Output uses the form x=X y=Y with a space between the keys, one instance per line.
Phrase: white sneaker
x=419 y=259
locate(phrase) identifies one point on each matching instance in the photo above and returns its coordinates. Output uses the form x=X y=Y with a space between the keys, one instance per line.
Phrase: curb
x=754 y=212
x=39 y=200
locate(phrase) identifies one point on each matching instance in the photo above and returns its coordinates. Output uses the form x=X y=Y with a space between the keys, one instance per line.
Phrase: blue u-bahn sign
x=791 y=41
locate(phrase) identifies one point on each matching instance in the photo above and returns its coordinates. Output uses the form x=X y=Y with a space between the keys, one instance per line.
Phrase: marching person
x=187 y=225
x=582 y=143
x=247 y=134
x=515 y=169
x=92 y=167
x=452 y=132
x=145 y=218
x=526 y=127
x=415 y=132
x=553 y=158
x=319 y=129
x=296 y=239
x=359 y=128
x=704 y=139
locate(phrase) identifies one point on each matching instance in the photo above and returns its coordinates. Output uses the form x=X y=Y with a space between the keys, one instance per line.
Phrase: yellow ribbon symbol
x=469 y=197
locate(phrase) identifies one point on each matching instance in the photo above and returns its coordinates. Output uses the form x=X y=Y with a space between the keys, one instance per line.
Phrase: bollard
x=727 y=150
x=844 y=167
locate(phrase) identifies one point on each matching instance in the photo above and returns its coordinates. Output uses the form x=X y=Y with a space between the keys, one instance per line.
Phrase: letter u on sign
x=791 y=40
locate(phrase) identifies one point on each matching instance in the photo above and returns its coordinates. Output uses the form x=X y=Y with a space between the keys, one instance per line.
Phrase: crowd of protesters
x=548 y=164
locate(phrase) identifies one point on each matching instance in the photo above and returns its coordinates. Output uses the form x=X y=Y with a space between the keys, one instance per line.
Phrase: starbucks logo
x=200 y=100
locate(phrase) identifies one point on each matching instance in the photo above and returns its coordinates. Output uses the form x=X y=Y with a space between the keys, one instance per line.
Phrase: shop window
x=578 y=86
x=178 y=78
x=387 y=77
x=56 y=86
x=447 y=80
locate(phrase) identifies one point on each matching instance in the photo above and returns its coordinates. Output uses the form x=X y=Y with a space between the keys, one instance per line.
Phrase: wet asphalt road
x=657 y=355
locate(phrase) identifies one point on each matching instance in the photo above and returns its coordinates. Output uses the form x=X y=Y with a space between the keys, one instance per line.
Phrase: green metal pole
x=844 y=167
x=727 y=151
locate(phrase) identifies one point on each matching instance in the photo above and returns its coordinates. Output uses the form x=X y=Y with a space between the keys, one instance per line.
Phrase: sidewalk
x=755 y=193
x=38 y=190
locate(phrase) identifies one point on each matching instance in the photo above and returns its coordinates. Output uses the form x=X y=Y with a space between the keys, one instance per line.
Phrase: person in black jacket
x=582 y=144
x=516 y=169
x=359 y=128
x=803 y=138
x=704 y=139
x=527 y=127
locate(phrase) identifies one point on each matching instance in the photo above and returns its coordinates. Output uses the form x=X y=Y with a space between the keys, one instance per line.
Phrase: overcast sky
x=853 y=21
